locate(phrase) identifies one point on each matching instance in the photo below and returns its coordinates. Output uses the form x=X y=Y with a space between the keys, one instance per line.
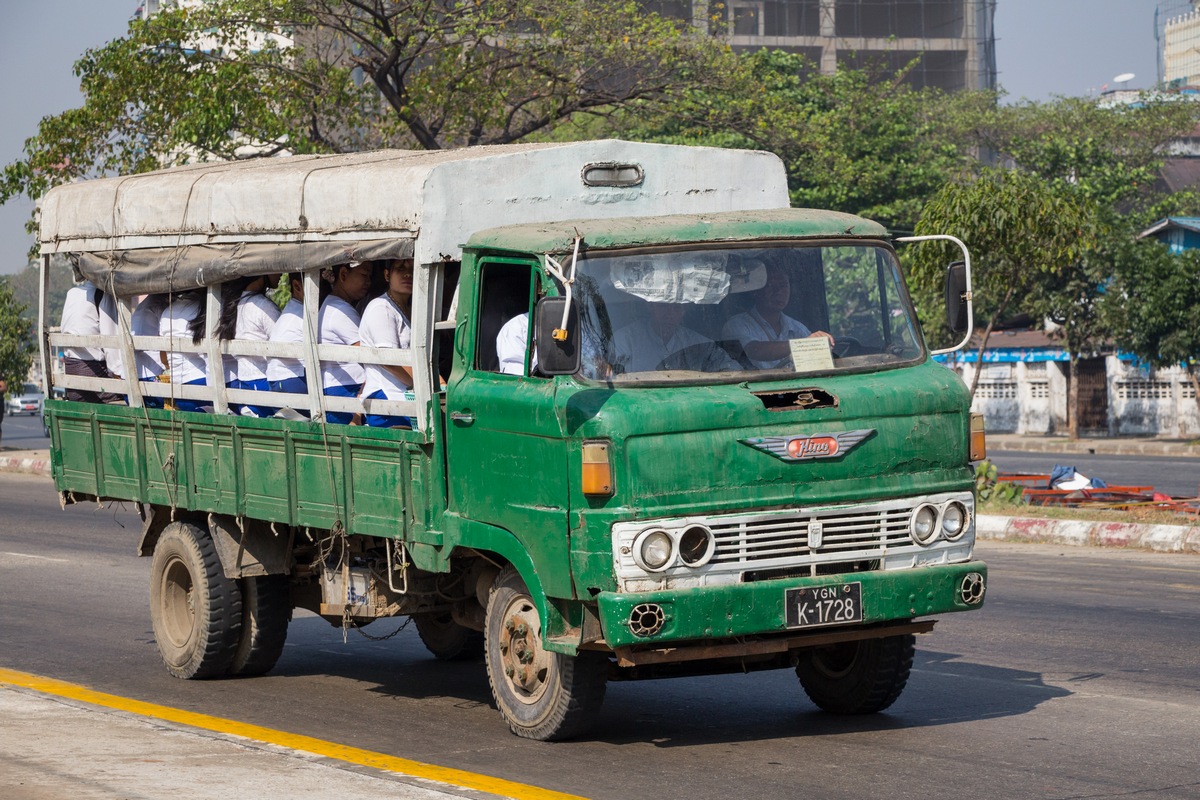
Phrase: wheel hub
x=526 y=665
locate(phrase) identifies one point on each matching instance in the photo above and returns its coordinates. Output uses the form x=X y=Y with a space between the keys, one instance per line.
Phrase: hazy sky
x=1043 y=48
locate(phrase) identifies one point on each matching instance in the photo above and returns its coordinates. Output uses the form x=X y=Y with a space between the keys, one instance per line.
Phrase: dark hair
x=231 y=292
x=198 y=325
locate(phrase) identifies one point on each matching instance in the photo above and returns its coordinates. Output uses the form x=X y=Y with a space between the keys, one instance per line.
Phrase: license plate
x=817 y=606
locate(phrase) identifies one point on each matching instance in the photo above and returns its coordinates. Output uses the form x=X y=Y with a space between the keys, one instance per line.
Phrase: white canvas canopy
x=199 y=225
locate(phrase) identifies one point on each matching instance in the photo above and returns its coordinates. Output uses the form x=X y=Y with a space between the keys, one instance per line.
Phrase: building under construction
x=954 y=39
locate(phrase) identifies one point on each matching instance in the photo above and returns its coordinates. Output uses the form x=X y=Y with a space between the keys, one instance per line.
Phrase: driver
x=658 y=342
x=764 y=330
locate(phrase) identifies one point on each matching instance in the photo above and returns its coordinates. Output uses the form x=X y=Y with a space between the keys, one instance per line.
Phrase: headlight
x=954 y=521
x=653 y=550
x=696 y=546
x=923 y=526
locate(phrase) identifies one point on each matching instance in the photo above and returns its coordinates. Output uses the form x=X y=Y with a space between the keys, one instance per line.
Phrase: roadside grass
x=1142 y=513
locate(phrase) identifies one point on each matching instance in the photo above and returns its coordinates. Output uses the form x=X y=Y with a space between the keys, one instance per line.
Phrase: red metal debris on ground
x=1036 y=492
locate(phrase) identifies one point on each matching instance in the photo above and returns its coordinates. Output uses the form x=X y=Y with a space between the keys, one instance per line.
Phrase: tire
x=195 y=610
x=446 y=639
x=541 y=695
x=860 y=677
x=266 y=612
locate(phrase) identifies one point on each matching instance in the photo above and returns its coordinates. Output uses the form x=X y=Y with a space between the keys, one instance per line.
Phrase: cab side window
x=506 y=293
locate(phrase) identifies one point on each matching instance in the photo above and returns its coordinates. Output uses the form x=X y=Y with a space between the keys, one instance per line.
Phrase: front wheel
x=195 y=610
x=541 y=695
x=860 y=677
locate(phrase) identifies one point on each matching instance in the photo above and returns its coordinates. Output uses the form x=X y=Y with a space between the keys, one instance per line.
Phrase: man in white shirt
x=660 y=342
x=385 y=323
x=512 y=342
x=81 y=316
x=764 y=331
x=338 y=323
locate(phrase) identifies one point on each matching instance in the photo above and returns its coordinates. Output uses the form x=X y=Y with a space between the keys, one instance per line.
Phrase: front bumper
x=748 y=609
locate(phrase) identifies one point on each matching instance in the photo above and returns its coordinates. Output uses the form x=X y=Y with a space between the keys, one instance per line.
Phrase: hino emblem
x=808 y=448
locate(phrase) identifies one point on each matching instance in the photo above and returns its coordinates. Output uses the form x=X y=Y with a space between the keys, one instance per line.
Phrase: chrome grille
x=845 y=535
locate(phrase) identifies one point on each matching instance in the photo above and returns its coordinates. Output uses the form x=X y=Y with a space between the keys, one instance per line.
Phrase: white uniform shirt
x=639 y=348
x=750 y=327
x=256 y=316
x=108 y=327
x=80 y=317
x=511 y=344
x=384 y=325
x=144 y=322
x=289 y=328
x=338 y=323
x=183 y=367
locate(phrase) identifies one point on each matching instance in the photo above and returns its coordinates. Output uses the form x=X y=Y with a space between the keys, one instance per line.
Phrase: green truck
x=722 y=444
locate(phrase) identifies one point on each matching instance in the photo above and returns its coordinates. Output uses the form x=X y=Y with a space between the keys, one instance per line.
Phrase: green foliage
x=1022 y=230
x=855 y=141
x=989 y=490
x=16 y=339
x=240 y=78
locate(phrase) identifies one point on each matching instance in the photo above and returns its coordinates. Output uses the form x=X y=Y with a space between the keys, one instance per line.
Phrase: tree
x=1023 y=233
x=1156 y=305
x=231 y=78
x=16 y=340
x=860 y=141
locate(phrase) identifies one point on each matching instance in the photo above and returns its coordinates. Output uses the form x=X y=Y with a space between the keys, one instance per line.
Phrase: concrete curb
x=1118 y=446
x=1080 y=533
x=32 y=466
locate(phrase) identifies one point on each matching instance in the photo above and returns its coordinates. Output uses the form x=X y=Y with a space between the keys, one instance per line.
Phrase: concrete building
x=1177 y=30
x=954 y=38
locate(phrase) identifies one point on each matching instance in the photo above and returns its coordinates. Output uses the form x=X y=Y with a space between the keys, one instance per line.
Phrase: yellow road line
x=308 y=744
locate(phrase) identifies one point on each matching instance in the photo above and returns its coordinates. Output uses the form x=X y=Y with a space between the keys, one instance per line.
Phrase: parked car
x=27 y=401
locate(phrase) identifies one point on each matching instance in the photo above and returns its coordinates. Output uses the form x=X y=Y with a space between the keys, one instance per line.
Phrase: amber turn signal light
x=978 y=445
x=597 y=469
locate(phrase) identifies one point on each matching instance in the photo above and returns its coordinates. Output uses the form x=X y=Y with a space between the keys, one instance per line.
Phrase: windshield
x=743 y=313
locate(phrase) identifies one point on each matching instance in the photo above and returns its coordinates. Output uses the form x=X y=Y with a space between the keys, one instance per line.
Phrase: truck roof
x=433 y=199
x=781 y=223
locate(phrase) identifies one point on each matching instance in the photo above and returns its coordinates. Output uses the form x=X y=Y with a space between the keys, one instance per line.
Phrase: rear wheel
x=266 y=612
x=195 y=610
x=541 y=695
x=446 y=639
x=860 y=677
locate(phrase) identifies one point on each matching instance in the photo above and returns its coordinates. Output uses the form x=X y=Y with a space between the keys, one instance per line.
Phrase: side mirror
x=555 y=357
x=956 y=297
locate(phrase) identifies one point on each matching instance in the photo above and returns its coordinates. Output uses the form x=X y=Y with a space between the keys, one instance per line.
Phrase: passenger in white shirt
x=144 y=322
x=183 y=319
x=385 y=323
x=661 y=342
x=83 y=309
x=286 y=374
x=256 y=317
x=764 y=331
x=511 y=344
x=337 y=323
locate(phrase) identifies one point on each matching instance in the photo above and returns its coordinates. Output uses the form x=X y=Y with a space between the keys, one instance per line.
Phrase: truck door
x=506 y=456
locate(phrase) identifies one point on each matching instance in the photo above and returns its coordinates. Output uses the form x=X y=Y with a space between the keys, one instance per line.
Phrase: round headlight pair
x=929 y=522
x=656 y=549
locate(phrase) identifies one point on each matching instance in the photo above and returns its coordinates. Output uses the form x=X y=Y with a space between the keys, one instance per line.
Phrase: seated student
x=764 y=331
x=286 y=374
x=511 y=343
x=337 y=323
x=81 y=314
x=144 y=322
x=385 y=323
x=184 y=318
x=256 y=315
x=660 y=342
